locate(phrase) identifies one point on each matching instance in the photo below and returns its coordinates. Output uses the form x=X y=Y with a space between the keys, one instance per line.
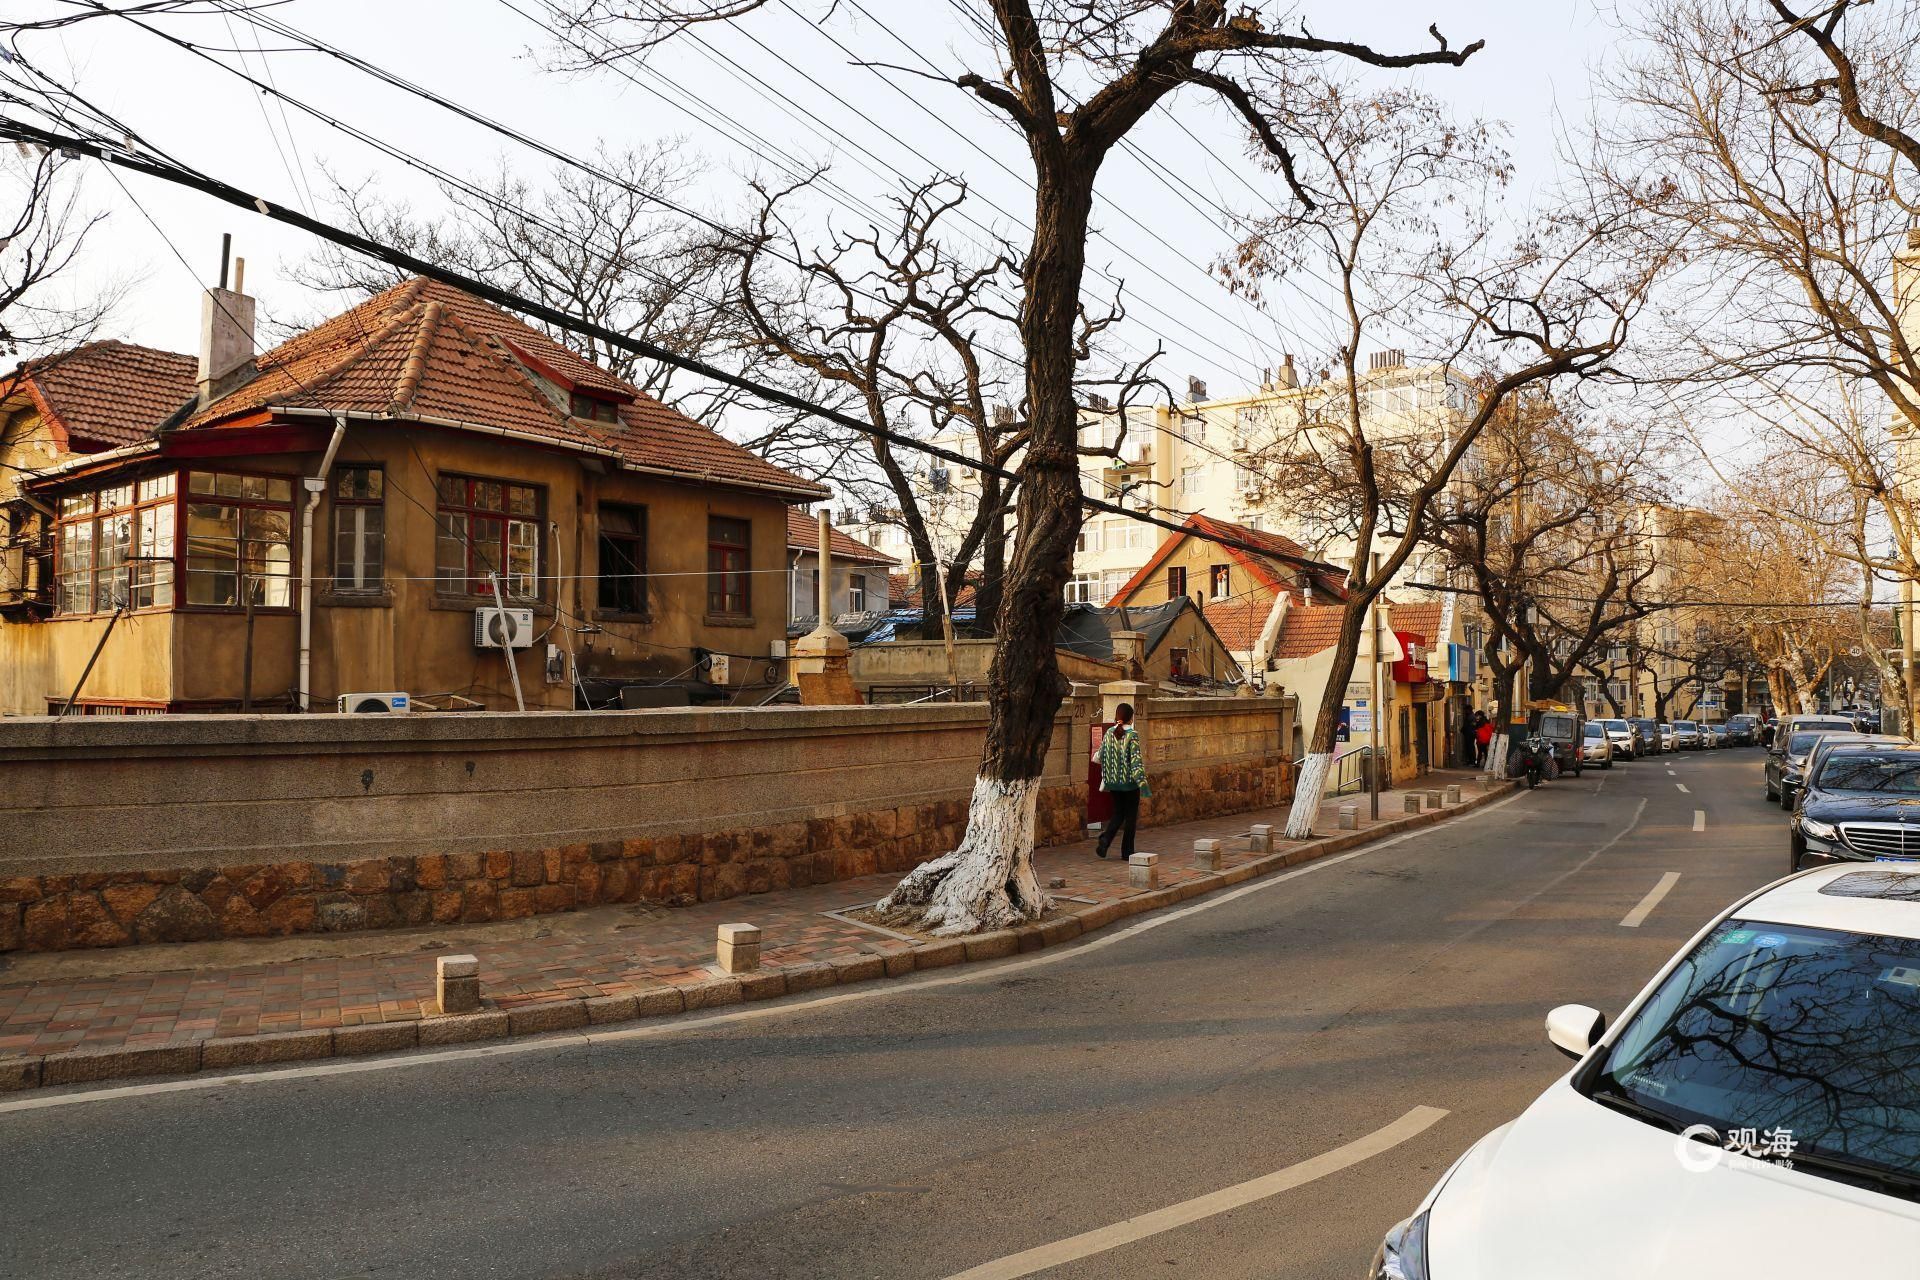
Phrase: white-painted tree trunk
x=1307 y=794
x=1497 y=755
x=988 y=882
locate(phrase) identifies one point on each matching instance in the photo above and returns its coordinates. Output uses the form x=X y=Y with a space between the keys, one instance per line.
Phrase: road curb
x=77 y=1066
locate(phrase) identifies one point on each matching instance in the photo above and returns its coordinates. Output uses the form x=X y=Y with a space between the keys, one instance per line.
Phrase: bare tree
x=907 y=329
x=1399 y=217
x=1543 y=522
x=1779 y=152
x=1785 y=589
x=1121 y=58
x=43 y=228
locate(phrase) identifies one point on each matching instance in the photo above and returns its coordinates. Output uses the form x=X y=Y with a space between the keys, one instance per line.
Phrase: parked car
x=1743 y=731
x=1562 y=731
x=1686 y=735
x=1597 y=746
x=1861 y=803
x=1620 y=733
x=1760 y=1088
x=1714 y=735
x=1792 y=739
x=1828 y=743
x=1666 y=737
x=1648 y=734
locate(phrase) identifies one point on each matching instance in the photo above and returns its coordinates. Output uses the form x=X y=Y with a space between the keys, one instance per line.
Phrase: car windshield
x=1617 y=726
x=1897 y=773
x=1814 y=1033
x=1685 y=724
x=1798 y=744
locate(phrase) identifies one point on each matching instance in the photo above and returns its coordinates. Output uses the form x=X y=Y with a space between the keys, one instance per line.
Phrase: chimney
x=1196 y=389
x=1289 y=377
x=226 y=331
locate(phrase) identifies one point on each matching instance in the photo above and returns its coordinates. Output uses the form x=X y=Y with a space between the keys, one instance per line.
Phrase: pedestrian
x=1482 y=738
x=1123 y=776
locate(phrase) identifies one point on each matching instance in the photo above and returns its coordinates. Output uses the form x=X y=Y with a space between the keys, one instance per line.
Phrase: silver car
x=1596 y=745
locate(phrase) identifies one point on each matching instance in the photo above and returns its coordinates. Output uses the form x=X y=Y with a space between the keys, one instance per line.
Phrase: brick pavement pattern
x=635 y=961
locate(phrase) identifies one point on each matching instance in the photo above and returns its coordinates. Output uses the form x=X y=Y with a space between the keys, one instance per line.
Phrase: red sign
x=1411 y=669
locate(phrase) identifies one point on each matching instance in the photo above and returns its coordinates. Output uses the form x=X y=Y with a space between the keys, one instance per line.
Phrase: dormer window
x=593 y=408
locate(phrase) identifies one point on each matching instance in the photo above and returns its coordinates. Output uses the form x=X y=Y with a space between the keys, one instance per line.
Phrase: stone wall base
x=258 y=900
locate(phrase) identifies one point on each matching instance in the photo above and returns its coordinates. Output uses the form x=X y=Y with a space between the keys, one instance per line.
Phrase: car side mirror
x=1575 y=1028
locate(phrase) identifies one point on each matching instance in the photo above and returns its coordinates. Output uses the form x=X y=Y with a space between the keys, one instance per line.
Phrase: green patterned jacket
x=1122 y=766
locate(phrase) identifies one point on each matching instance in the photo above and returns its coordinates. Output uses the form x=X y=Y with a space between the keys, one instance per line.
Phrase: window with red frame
x=488 y=527
x=729 y=555
x=1176 y=582
x=114 y=547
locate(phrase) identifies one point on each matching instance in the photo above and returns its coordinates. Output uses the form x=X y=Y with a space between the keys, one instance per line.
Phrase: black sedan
x=1863 y=805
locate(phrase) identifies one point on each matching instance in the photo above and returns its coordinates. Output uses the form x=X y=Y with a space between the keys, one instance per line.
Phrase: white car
x=1620 y=733
x=1755 y=1111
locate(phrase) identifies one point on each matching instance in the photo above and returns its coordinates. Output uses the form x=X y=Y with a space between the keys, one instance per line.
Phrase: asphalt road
x=915 y=1130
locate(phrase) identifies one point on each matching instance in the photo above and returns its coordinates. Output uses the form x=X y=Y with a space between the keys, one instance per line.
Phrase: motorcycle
x=1535 y=759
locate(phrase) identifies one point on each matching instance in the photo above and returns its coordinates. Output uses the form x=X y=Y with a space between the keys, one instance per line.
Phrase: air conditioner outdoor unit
x=363 y=703
x=502 y=628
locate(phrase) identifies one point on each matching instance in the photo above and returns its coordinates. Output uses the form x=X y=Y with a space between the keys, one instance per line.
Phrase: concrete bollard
x=1453 y=793
x=1260 y=838
x=1412 y=803
x=738 y=948
x=1058 y=882
x=1093 y=830
x=456 y=983
x=1349 y=817
x=1143 y=871
x=1435 y=799
x=1206 y=855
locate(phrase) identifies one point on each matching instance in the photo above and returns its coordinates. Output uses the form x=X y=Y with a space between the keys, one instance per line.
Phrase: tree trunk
x=1502 y=720
x=993 y=570
x=1310 y=787
x=988 y=882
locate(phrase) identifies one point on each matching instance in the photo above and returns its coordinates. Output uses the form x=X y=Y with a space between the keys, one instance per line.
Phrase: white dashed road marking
x=1683 y=788
x=1652 y=900
x=1699 y=819
x=1073 y=1248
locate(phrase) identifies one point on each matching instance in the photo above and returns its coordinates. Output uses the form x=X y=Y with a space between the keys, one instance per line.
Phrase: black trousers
x=1122 y=821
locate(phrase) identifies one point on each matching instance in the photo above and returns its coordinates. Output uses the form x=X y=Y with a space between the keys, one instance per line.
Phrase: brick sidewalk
x=143 y=997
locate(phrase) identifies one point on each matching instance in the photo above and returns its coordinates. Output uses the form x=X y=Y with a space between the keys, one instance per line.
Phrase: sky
x=750 y=97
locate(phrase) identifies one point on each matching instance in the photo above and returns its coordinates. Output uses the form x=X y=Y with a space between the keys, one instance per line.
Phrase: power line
x=474 y=191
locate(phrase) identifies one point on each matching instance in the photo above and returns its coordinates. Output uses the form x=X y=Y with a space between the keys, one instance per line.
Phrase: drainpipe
x=316 y=485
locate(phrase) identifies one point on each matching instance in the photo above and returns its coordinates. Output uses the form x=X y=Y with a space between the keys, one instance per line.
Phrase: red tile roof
x=803 y=534
x=1422 y=620
x=1238 y=622
x=1307 y=629
x=110 y=393
x=1276 y=560
x=904 y=590
x=424 y=349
